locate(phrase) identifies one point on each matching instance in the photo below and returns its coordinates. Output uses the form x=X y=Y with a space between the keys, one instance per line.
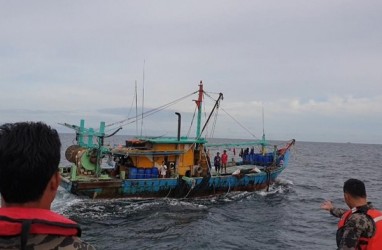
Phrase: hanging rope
x=229 y=188
x=215 y=121
x=212 y=129
x=268 y=182
x=168 y=193
x=205 y=118
x=191 y=188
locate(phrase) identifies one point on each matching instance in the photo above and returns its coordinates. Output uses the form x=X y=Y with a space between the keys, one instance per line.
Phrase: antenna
x=262 y=106
x=136 y=108
x=143 y=94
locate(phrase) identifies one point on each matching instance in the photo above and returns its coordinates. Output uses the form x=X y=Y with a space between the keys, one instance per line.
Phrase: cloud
x=313 y=65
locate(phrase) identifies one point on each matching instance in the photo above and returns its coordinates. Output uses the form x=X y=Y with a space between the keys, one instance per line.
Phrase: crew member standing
x=217 y=162
x=163 y=170
x=361 y=226
x=224 y=161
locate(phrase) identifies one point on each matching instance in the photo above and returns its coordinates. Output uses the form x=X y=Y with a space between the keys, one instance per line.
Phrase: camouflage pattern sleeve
x=43 y=242
x=358 y=225
x=64 y=243
x=337 y=212
x=70 y=243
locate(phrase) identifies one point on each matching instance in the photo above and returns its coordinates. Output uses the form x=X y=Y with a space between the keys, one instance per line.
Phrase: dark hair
x=355 y=188
x=29 y=156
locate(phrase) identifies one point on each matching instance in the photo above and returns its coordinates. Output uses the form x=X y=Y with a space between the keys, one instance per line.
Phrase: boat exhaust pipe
x=179 y=122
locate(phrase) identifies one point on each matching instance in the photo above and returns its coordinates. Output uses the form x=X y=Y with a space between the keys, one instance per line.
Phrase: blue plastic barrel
x=257 y=159
x=270 y=158
x=141 y=173
x=133 y=173
x=148 y=172
x=252 y=158
x=155 y=173
x=263 y=160
x=247 y=160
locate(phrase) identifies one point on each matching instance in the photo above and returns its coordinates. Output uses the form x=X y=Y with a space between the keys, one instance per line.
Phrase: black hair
x=355 y=188
x=29 y=156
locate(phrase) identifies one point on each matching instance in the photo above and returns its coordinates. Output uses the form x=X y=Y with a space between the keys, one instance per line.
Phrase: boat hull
x=174 y=187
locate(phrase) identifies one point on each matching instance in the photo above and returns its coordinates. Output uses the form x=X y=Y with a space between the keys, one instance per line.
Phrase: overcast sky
x=315 y=67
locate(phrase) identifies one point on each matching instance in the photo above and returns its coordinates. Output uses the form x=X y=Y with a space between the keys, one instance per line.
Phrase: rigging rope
x=229 y=188
x=215 y=116
x=148 y=113
x=215 y=121
x=192 y=122
x=205 y=118
x=233 y=118
x=241 y=125
x=211 y=130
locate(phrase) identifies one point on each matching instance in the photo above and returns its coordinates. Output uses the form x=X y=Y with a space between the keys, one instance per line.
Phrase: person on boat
x=245 y=156
x=217 y=162
x=163 y=169
x=172 y=168
x=246 y=151
x=233 y=162
x=241 y=154
x=29 y=179
x=361 y=226
x=224 y=161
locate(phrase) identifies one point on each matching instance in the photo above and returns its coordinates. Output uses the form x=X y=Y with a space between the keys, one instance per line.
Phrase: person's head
x=225 y=151
x=354 y=192
x=217 y=153
x=29 y=159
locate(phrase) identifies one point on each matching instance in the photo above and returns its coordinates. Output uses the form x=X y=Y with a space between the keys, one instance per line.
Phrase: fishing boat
x=135 y=168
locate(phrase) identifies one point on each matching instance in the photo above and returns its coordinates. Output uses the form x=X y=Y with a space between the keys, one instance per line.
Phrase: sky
x=309 y=70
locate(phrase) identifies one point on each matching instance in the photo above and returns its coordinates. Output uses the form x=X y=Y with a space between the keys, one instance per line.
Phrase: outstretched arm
x=337 y=212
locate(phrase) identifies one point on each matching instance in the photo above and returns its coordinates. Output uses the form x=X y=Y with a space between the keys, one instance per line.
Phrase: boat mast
x=199 y=105
x=263 y=142
x=198 y=102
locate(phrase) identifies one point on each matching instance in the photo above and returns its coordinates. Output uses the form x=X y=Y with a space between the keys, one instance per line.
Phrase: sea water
x=288 y=216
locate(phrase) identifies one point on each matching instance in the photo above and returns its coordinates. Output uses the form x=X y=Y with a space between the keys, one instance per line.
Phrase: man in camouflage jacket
x=355 y=224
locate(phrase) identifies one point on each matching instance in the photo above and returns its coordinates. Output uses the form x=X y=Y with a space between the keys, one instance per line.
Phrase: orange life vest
x=373 y=243
x=39 y=221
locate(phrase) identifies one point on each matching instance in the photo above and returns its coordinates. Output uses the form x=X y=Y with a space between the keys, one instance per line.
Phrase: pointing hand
x=327 y=205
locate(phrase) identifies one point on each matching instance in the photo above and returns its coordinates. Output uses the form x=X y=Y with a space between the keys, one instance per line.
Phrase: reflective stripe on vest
x=379 y=218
